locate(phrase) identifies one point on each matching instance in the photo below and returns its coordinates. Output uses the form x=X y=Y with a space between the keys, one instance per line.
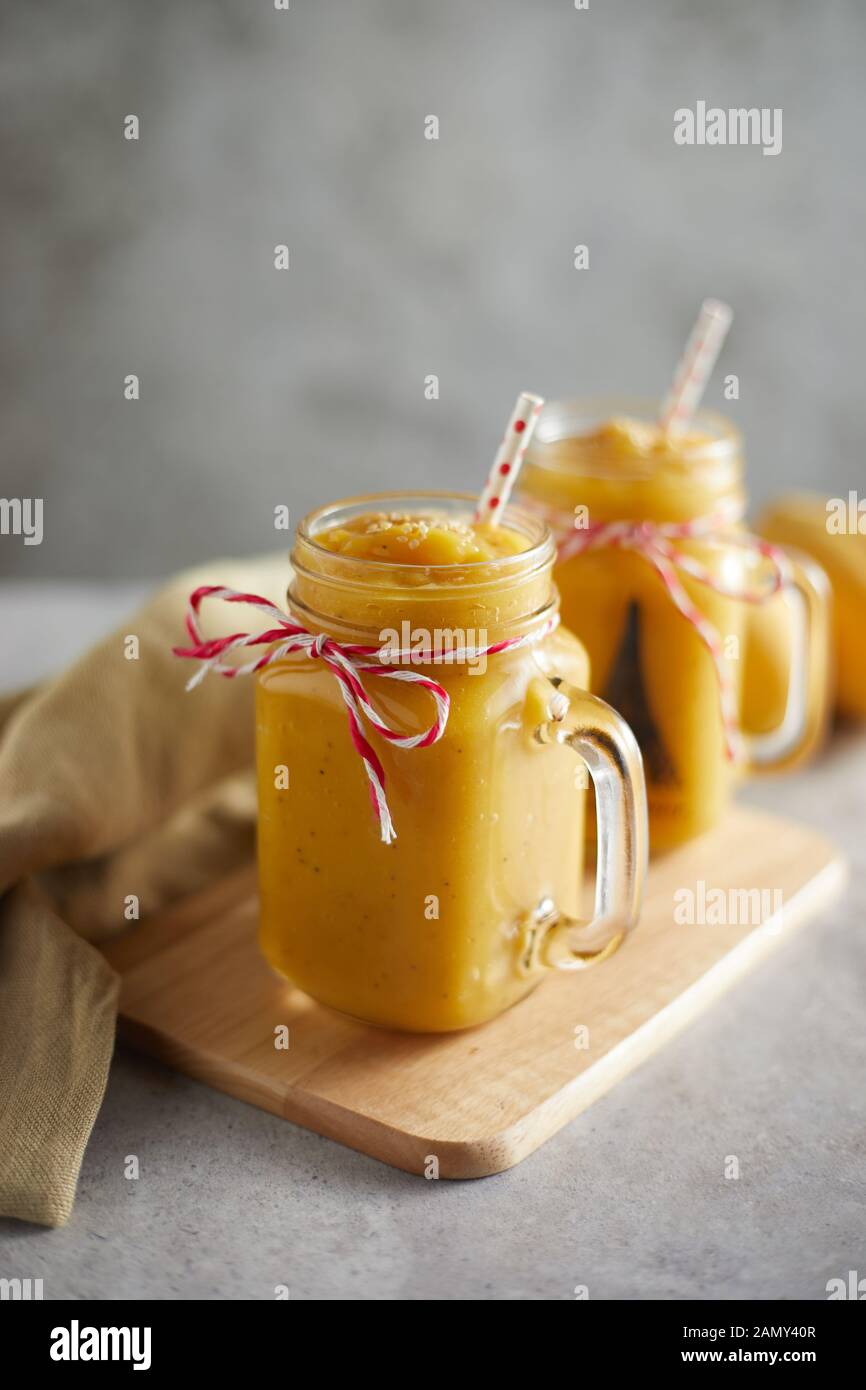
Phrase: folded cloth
x=115 y=784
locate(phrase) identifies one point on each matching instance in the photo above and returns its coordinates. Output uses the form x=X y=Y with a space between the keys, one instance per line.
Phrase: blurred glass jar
x=828 y=530
x=646 y=522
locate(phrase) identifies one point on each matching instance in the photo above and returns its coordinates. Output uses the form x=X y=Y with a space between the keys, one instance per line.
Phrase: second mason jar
x=659 y=580
x=480 y=893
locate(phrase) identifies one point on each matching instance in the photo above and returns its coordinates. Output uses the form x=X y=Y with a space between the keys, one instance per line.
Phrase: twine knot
x=347 y=662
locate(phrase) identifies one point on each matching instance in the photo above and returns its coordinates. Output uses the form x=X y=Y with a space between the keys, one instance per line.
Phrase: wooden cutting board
x=197 y=995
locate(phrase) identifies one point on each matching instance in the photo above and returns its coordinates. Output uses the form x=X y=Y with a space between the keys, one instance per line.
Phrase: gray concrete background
x=629 y=1199
x=409 y=257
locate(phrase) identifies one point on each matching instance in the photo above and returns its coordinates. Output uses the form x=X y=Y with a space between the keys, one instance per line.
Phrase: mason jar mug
x=675 y=602
x=480 y=788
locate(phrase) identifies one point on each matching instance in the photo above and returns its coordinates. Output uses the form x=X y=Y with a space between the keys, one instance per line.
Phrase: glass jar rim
x=575 y=417
x=539 y=552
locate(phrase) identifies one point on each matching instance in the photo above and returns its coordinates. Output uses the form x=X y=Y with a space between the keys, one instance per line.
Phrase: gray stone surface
x=409 y=257
x=629 y=1199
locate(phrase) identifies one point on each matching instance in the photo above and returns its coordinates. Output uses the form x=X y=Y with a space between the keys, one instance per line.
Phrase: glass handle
x=806 y=590
x=609 y=749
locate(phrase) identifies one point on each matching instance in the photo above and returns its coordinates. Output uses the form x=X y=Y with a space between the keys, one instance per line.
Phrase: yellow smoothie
x=837 y=544
x=646 y=659
x=433 y=931
x=610 y=462
x=420 y=540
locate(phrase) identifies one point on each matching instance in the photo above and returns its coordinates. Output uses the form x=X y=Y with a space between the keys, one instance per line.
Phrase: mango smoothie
x=611 y=462
x=418 y=540
x=835 y=544
x=451 y=923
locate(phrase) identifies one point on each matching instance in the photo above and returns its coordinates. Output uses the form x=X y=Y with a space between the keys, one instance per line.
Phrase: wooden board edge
x=326 y=1118
x=488 y=1155
x=198 y=1066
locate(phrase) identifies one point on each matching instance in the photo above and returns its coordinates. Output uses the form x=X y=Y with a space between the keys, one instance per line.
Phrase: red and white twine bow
x=347 y=662
x=656 y=542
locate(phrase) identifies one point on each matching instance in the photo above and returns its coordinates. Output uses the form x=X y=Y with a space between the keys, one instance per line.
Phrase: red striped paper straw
x=695 y=365
x=506 y=465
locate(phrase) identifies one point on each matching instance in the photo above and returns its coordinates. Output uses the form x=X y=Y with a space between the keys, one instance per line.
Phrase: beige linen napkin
x=113 y=782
